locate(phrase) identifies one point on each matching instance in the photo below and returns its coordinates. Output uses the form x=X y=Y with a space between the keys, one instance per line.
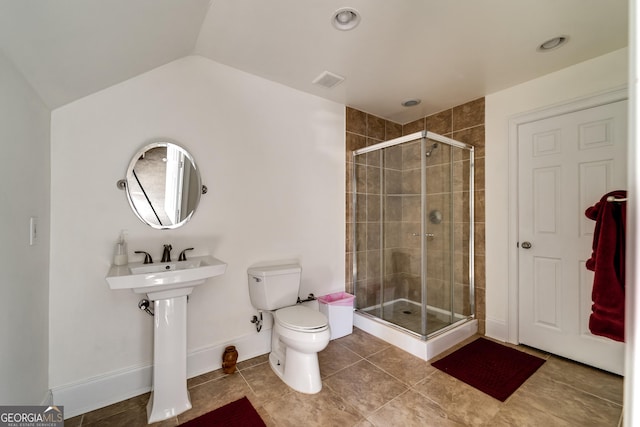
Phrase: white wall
x=24 y=289
x=273 y=160
x=590 y=77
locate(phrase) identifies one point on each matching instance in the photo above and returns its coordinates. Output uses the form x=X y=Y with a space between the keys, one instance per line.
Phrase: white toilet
x=298 y=333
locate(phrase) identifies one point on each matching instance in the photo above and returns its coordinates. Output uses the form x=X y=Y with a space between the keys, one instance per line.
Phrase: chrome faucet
x=166 y=254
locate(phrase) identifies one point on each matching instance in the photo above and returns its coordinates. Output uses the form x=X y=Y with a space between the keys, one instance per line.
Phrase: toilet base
x=300 y=371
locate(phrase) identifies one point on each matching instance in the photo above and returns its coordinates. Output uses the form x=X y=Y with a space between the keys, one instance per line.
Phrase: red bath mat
x=492 y=368
x=235 y=414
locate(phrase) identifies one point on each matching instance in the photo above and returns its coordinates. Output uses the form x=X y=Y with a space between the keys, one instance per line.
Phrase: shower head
x=430 y=149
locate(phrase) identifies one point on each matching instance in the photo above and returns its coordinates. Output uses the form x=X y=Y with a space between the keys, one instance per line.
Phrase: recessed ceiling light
x=553 y=43
x=345 y=19
x=411 y=102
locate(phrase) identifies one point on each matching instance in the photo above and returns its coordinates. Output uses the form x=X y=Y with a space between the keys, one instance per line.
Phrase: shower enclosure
x=413 y=233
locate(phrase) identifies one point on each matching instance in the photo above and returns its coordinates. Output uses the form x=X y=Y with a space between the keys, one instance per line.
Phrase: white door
x=566 y=164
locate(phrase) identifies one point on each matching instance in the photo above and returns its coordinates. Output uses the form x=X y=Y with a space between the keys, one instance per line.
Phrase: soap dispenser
x=120 y=256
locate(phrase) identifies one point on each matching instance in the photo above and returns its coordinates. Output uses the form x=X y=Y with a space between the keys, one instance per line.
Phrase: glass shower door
x=402 y=281
x=388 y=234
x=438 y=235
x=411 y=233
x=367 y=232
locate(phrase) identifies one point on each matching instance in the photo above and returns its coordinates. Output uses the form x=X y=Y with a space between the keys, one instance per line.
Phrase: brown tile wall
x=464 y=123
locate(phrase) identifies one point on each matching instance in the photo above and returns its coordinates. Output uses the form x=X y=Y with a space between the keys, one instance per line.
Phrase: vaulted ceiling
x=444 y=52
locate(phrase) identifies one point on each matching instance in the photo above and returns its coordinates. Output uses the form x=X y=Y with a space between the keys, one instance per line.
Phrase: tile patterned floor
x=367 y=382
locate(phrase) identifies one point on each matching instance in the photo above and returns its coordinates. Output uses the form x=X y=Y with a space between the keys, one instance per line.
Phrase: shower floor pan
x=403 y=318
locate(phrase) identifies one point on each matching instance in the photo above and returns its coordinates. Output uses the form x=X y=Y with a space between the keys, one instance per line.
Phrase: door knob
x=526 y=245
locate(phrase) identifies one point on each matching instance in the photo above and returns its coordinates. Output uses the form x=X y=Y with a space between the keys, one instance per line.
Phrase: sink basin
x=165 y=266
x=167 y=279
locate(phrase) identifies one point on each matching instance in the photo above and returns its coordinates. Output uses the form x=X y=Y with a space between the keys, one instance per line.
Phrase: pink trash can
x=338 y=307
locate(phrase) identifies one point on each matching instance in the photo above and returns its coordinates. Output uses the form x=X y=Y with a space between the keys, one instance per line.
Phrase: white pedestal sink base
x=167 y=284
x=170 y=396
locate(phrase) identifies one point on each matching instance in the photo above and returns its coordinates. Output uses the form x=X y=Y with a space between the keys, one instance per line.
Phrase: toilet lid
x=300 y=318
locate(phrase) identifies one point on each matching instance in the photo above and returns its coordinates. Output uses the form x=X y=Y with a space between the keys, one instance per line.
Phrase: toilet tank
x=273 y=287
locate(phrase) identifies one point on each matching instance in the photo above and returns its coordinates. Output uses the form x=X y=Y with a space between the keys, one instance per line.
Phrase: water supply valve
x=257 y=321
x=144 y=305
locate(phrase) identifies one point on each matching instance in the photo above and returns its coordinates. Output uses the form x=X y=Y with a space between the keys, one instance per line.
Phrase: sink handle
x=147 y=257
x=183 y=256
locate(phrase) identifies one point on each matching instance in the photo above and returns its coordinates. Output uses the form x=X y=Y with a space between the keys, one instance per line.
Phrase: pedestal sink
x=167 y=285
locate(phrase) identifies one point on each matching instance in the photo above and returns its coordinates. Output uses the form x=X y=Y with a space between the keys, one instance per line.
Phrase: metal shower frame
x=423 y=136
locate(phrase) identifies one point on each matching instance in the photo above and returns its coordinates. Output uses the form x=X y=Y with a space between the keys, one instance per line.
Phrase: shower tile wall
x=364 y=130
x=463 y=123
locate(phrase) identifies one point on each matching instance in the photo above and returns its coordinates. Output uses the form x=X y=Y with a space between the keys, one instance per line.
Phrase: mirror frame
x=124 y=184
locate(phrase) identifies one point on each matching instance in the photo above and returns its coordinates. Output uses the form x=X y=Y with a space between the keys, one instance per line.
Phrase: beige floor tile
x=206 y=377
x=137 y=403
x=516 y=412
x=388 y=388
x=402 y=365
x=464 y=404
x=265 y=383
x=365 y=386
x=363 y=423
x=591 y=380
x=411 y=409
x=132 y=418
x=362 y=343
x=270 y=422
x=335 y=358
x=214 y=394
x=322 y=409
x=575 y=406
x=73 y=422
x=253 y=362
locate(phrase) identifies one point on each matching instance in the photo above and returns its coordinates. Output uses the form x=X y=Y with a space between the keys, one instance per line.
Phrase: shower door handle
x=426 y=234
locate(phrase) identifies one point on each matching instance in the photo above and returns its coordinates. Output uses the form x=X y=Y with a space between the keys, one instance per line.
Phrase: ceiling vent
x=328 y=79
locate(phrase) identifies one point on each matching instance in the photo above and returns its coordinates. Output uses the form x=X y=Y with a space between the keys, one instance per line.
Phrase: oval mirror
x=163 y=185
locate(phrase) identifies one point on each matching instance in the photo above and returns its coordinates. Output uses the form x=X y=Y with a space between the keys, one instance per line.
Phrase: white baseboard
x=47 y=399
x=497 y=329
x=98 y=392
x=424 y=349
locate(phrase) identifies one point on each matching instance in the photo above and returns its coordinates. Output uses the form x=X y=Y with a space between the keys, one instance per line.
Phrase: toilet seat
x=300 y=318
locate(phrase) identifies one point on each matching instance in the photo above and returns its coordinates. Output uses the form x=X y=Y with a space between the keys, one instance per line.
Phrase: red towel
x=607 y=263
